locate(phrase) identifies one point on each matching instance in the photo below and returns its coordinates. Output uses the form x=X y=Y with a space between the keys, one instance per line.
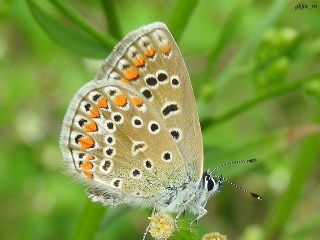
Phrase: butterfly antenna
x=253 y=160
x=254 y=195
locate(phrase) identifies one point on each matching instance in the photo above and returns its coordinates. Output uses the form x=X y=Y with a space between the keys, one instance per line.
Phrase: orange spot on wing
x=150 y=52
x=139 y=61
x=165 y=49
x=90 y=127
x=86 y=166
x=130 y=73
x=86 y=142
x=137 y=101
x=102 y=102
x=88 y=175
x=120 y=99
x=93 y=113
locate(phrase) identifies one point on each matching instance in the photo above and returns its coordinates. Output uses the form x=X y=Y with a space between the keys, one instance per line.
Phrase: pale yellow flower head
x=161 y=226
x=214 y=236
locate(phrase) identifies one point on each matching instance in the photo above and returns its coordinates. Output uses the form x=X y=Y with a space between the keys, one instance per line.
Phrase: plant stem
x=72 y=15
x=308 y=155
x=249 y=46
x=180 y=17
x=277 y=91
x=111 y=18
x=227 y=32
x=88 y=221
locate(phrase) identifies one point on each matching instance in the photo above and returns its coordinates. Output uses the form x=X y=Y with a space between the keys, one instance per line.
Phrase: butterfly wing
x=134 y=130
x=151 y=63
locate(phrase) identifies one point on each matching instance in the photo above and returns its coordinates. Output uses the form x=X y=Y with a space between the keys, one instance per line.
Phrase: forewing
x=150 y=62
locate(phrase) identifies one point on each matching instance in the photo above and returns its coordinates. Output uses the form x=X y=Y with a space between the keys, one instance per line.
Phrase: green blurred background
x=255 y=69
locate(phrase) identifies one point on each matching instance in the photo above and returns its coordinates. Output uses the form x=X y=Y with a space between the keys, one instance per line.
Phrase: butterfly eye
x=210 y=184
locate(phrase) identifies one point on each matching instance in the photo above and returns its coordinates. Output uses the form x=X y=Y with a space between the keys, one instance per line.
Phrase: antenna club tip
x=253 y=160
x=256 y=196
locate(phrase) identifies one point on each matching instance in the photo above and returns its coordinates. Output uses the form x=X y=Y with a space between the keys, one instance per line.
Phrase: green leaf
x=184 y=232
x=83 y=24
x=274 y=12
x=88 y=221
x=262 y=97
x=181 y=14
x=111 y=18
x=67 y=37
x=283 y=207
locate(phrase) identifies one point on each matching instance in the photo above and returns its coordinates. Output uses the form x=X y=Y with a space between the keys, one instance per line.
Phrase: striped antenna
x=253 y=160
x=254 y=195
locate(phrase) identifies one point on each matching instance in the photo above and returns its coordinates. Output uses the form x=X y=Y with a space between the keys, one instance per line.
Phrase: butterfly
x=132 y=134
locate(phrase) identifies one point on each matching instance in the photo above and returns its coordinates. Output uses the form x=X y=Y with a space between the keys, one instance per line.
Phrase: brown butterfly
x=132 y=134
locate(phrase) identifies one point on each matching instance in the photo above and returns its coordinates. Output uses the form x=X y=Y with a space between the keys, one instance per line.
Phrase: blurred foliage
x=254 y=67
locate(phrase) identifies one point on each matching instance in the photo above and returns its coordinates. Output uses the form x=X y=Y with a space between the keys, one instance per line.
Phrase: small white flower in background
x=30 y=126
x=161 y=226
x=214 y=236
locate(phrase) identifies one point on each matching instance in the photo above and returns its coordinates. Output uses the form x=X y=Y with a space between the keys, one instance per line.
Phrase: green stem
x=308 y=155
x=302 y=229
x=88 y=221
x=249 y=46
x=227 y=32
x=277 y=91
x=180 y=17
x=70 y=13
x=111 y=18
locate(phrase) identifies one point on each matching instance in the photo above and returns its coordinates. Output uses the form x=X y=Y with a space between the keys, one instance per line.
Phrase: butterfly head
x=212 y=183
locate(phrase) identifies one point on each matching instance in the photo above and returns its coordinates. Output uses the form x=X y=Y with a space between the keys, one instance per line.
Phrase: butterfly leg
x=183 y=210
x=202 y=211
